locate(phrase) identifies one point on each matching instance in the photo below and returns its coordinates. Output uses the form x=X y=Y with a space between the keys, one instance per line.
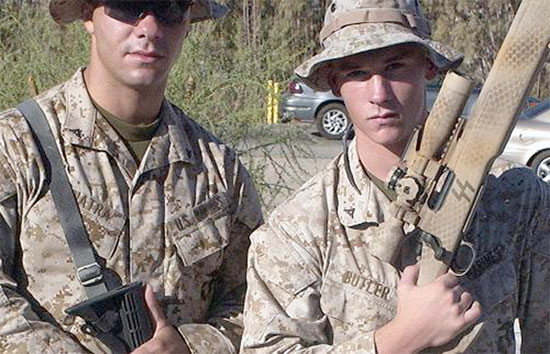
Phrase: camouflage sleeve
x=21 y=329
x=283 y=301
x=534 y=299
x=223 y=331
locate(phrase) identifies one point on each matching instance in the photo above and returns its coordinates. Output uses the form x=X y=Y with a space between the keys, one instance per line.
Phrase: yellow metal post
x=269 y=108
x=276 y=94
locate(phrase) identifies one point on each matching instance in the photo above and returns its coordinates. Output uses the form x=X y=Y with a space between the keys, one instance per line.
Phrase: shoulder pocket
x=7 y=188
x=202 y=230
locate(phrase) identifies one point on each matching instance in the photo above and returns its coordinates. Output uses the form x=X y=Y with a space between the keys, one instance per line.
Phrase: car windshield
x=530 y=113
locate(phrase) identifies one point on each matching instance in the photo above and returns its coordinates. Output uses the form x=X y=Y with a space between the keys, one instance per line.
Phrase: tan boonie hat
x=67 y=11
x=357 y=26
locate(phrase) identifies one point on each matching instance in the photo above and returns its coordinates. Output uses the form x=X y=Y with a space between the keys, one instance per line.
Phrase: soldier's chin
x=146 y=78
x=393 y=139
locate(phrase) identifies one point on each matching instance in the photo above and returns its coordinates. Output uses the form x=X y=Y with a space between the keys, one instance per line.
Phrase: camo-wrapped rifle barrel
x=441 y=176
x=485 y=132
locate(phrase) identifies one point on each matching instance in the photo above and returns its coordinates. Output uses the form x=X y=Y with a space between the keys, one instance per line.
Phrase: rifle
x=119 y=318
x=440 y=178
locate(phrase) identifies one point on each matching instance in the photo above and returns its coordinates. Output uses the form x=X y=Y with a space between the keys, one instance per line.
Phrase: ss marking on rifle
x=463 y=190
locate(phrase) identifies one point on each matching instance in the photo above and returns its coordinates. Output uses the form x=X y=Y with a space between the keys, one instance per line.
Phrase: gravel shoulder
x=285 y=169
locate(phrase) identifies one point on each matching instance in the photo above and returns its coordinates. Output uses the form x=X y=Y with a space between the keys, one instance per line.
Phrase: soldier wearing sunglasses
x=162 y=200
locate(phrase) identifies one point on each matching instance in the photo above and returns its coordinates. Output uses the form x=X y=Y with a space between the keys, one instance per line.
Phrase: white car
x=529 y=142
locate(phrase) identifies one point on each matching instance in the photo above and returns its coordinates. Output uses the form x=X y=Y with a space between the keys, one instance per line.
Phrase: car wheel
x=332 y=120
x=541 y=165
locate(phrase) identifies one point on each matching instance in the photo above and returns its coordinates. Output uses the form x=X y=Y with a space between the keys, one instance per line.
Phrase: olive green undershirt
x=136 y=137
x=391 y=194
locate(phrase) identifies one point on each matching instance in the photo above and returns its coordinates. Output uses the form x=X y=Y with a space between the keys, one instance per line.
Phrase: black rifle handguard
x=119 y=317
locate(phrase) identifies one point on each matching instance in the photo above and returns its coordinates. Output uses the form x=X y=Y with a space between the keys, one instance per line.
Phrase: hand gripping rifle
x=441 y=177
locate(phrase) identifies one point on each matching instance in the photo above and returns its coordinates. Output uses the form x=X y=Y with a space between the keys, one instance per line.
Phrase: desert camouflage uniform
x=180 y=220
x=313 y=287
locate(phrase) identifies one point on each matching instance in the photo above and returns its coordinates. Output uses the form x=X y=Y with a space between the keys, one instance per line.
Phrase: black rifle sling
x=88 y=270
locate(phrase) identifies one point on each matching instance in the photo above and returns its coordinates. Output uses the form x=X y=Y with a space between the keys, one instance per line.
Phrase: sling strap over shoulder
x=89 y=272
x=118 y=317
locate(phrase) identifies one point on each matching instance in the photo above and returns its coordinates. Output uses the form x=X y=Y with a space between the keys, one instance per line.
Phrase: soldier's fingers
x=410 y=275
x=472 y=314
x=457 y=292
x=466 y=300
x=154 y=307
x=449 y=280
x=141 y=350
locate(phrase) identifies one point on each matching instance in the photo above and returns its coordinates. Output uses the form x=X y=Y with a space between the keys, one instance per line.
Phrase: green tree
x=477 y=28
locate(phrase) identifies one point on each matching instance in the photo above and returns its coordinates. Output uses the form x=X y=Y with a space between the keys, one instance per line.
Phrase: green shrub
x=31 y=44
x=220 y=79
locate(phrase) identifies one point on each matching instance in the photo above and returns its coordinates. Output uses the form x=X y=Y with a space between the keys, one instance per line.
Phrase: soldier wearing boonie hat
x=67 y=11
x=356 y=26
x=315 y=283
x=162 y=200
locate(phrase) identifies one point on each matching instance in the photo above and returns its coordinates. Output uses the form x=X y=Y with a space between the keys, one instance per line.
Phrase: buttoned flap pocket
x=203 y=230
x=356 y=299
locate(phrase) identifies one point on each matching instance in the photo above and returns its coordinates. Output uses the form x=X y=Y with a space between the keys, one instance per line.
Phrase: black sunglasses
x=167 y=12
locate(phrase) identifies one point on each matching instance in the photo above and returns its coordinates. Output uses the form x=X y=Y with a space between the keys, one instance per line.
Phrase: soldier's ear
x=89 y=26
x=432 y=71
x=334 y=85
x=88 y=15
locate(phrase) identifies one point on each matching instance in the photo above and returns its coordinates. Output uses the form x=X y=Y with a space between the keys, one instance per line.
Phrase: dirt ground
x=284 y=173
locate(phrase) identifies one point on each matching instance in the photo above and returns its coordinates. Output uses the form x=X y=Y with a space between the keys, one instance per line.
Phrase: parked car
x=328 y=111
x=529 y=142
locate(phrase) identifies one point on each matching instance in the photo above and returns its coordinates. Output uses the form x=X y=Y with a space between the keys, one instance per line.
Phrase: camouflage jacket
x=313 y=286
x=180 y=220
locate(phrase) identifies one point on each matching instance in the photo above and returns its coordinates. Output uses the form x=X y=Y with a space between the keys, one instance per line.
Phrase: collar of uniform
x=354 y=209
x=81 y=114
x=172 y=142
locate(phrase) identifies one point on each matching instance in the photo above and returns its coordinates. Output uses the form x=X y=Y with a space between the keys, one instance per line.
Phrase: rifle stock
x=486 y=131
x=119 y=318
x=450 y=159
